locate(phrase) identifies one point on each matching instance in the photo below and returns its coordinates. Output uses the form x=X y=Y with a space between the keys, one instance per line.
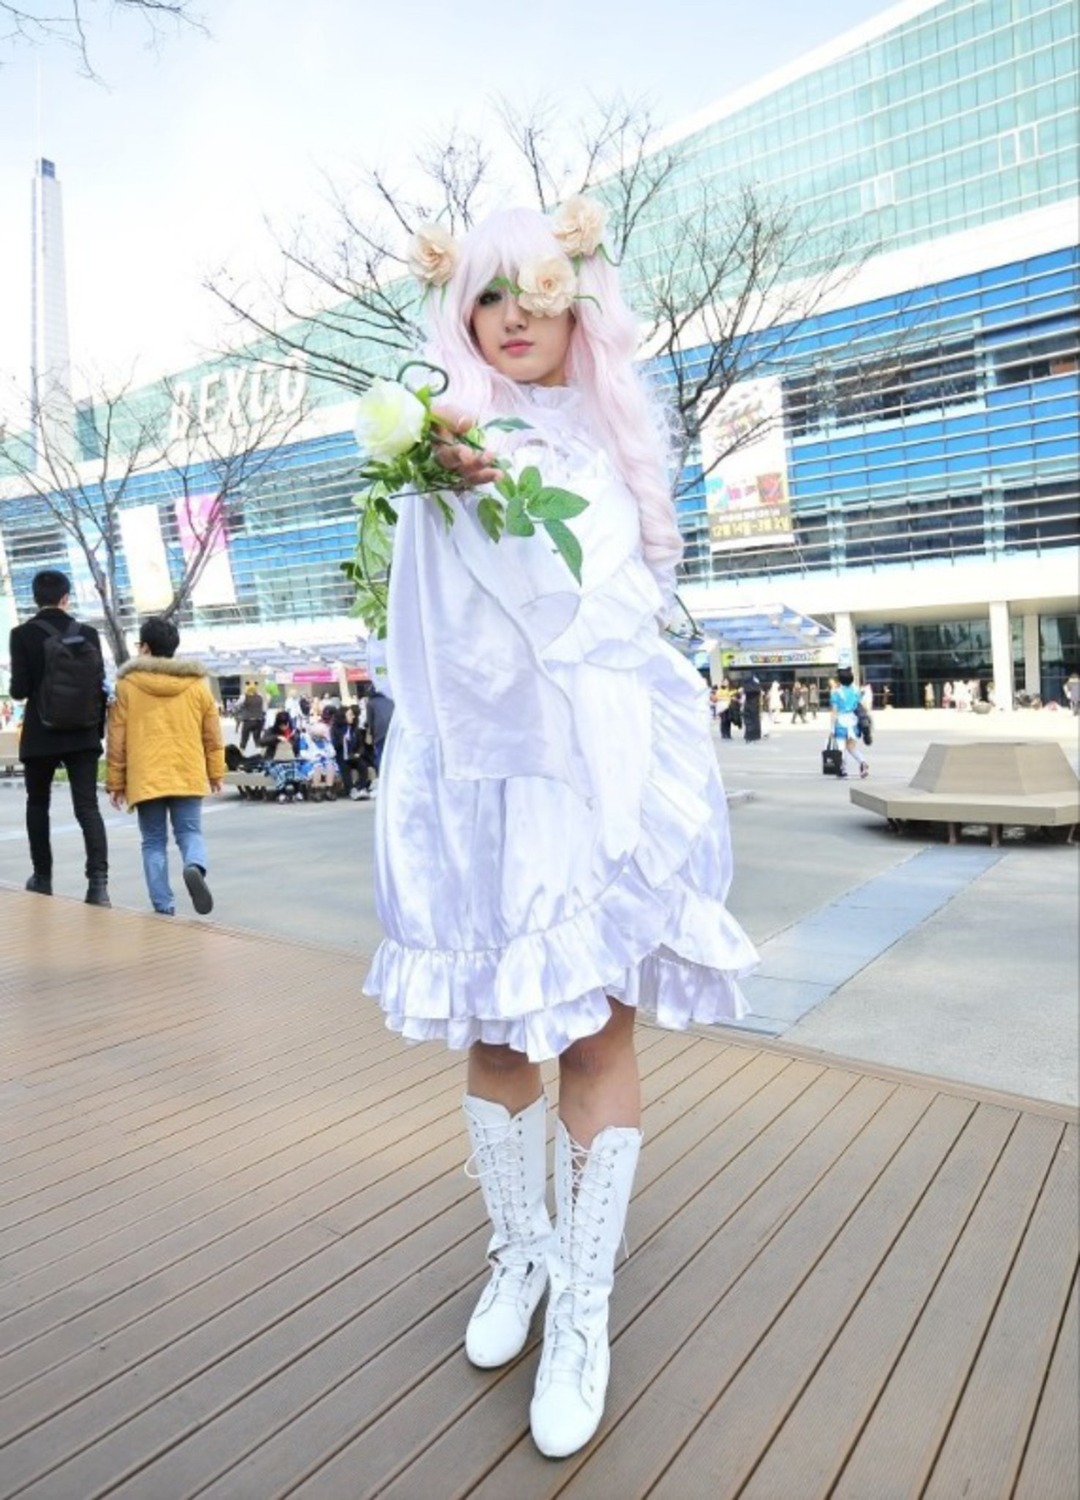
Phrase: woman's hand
x=468 y=466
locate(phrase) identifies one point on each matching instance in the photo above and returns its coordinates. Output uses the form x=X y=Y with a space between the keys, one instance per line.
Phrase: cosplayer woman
x=552 y=847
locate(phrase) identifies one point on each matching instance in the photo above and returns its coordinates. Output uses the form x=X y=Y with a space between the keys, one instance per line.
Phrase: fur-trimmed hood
x=162 y=675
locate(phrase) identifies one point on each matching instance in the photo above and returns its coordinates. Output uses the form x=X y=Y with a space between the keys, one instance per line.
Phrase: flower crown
x=545 y=287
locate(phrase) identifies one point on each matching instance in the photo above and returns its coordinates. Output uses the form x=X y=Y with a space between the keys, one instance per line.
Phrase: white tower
x=50 y=358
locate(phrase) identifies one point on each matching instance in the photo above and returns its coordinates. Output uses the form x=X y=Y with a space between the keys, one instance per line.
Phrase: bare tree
x=69 y=23
x=84 y=467
x=750 y=263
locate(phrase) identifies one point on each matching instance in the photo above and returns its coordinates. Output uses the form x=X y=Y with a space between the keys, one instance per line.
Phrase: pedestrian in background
x=57 y=667
x=164 y=754
x=813 y=694
x=845 y=699
x=798 y=701
x=380 y=710
x=751 y=710
x=251 y=715
x=724 y=706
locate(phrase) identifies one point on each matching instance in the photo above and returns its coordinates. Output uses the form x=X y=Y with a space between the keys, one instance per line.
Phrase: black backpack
x=70 y=694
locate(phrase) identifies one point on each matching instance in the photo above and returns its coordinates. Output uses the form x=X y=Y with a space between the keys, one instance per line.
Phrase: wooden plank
x=125 y=1295
x=61 y=1156
x=229 y=1287
x=1051 y=1465
x=985 y=1444
x=737 y=1429
x=684 y=1266
x=896 y=1452
x=936 y=1082
x=242 y=1426
x=177 y=1123
x=299 y=1110
x=96 y=1433
x=841 y=1391
x=903 y=1139
x=136 y=1080
x=396 y=1340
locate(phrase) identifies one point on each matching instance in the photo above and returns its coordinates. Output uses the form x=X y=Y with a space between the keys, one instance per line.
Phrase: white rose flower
x=579 y=225
x=547 y=287
x=432 y=255
x=389 y=420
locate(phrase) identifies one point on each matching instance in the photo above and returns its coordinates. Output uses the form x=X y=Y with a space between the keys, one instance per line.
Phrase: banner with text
x=746 y=494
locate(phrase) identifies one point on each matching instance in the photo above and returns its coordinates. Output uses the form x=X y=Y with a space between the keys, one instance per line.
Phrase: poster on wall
x=83 y=592
x=201 y=521
x=148 y=567
x=746 y=492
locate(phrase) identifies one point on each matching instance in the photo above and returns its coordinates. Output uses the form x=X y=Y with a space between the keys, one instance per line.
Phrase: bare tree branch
x=728 y=302
x=67 y=23
x=85 y=489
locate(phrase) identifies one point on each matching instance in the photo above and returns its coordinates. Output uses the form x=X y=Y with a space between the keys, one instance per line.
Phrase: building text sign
x=236 y=398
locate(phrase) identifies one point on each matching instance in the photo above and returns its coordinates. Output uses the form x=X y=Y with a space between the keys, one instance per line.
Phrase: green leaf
x=491 y=517
x=553 y=504
x=446 y=508
x=506 y=487
x=517 y=522
x=566 y=545
x=385 y=510
x=529 y=482
x=508 y=424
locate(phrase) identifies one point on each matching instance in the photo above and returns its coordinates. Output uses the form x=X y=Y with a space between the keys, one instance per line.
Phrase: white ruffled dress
x=551 y=828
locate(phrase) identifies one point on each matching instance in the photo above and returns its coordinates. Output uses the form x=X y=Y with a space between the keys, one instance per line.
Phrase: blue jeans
x=154 y=816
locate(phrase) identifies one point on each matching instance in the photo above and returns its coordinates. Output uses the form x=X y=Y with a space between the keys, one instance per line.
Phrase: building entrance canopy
x=286 y=662
x=770 y=636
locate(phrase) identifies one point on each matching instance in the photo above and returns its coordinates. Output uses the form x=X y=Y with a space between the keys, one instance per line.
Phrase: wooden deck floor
x=237 y=1252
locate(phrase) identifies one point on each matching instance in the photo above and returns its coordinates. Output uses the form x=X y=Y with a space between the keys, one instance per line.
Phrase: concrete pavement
x=961 y=963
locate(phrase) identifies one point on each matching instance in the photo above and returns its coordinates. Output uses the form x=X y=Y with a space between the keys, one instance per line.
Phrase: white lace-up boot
x=509 y=1160
x=592 y=1191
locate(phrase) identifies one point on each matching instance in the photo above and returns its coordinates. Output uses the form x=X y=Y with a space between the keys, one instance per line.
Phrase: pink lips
x=517 y=347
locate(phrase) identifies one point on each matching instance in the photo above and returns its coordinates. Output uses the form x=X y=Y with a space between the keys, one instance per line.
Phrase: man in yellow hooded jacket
x=163 y=754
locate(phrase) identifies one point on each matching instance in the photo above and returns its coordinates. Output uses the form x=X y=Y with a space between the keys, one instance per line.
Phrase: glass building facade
x=929 y=411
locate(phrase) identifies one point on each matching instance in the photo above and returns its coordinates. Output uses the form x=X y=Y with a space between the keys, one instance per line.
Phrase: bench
x=1002 y=784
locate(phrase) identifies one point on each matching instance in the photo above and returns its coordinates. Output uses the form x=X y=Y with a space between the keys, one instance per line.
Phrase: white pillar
x=1001 y=654
x=1032 y=655
x=847 y=642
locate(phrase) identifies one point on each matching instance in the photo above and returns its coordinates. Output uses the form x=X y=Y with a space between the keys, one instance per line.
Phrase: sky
x=175 y=163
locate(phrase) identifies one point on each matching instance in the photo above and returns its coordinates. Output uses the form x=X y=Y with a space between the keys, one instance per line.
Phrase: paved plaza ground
x=960 y=963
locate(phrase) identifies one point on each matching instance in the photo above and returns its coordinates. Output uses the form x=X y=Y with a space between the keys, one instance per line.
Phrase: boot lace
x=497 y=1165
x=566 y=1345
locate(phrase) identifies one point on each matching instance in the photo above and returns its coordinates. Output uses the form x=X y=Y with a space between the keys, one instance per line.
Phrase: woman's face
x=517 y=344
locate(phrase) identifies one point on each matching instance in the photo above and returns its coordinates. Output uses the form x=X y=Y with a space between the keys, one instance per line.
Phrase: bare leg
x=598 y=1080
x=503 y=1076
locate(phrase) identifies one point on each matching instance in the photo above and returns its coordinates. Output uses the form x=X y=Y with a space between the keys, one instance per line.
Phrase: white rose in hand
x=547 y=287
x=389 y=420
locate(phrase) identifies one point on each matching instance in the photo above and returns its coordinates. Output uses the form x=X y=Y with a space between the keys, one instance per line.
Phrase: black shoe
x=198 y=890
x=39 y=884
x=97 y=891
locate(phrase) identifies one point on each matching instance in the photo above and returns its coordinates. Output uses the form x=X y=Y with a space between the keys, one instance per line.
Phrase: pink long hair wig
x=600 y=364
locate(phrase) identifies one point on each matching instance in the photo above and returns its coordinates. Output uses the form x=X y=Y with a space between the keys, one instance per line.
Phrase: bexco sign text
x=236 y=396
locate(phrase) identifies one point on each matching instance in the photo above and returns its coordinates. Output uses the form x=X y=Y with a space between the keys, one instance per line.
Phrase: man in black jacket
x=42 y=750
